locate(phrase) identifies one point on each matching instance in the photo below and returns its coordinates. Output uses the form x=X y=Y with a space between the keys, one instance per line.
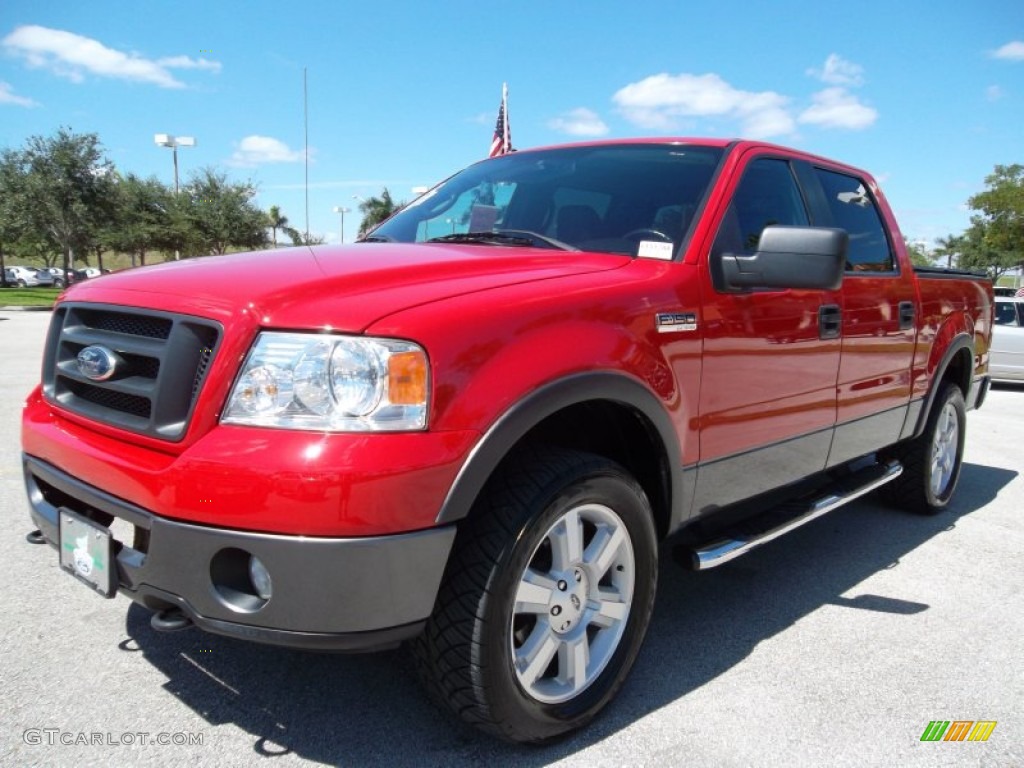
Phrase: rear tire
x=932 y=461
x=546 y=599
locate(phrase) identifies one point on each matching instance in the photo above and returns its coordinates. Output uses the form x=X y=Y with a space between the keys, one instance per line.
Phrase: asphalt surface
x=834 y=645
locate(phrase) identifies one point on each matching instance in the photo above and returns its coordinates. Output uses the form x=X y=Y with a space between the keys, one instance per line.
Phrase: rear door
x=879 y=316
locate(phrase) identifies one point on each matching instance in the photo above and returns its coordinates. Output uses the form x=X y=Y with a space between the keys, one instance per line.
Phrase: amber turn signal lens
x=407 y=378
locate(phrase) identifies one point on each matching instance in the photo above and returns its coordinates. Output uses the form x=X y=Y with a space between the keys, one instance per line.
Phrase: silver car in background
x=1007 y=360
x=28 y=277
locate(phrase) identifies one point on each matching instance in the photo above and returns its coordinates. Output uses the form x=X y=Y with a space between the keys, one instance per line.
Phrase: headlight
x=331 y=382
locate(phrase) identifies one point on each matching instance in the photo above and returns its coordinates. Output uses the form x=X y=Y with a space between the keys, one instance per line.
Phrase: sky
x=927 y=96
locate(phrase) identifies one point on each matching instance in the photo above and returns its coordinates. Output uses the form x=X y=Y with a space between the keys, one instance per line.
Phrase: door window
x=767 y=195
x=853 y=210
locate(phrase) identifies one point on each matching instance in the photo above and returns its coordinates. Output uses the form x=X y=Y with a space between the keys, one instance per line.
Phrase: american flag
x=1020 y=293
x=502 y=141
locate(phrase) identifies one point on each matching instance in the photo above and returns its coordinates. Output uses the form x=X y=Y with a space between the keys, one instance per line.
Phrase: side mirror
x=787 y=257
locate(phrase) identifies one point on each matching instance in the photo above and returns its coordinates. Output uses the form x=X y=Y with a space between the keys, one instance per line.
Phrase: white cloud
x=184 y=62
x=838 y=108
x=257 y=150
x=659 y=101
x=7 y=97
x=579 y=122
x=993 y=93
x=839 y=71
x=73 y=56
x=1012 y=51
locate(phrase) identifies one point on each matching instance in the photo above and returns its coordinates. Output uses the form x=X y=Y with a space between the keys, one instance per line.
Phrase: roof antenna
x=305 y=121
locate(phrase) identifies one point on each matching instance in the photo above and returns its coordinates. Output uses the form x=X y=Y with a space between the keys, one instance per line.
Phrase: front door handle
x=830 y=321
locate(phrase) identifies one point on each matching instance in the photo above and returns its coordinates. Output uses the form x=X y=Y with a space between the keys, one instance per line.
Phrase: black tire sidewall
x=512 y=706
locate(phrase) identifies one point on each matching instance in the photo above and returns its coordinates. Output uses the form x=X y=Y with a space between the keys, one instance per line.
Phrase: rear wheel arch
x=956 y=366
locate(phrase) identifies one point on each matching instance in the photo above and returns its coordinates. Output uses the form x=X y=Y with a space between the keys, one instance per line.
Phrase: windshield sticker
x=652 y=249
x=482 y=218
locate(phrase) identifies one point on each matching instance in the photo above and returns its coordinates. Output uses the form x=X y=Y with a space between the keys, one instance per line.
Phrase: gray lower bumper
x=328 y=593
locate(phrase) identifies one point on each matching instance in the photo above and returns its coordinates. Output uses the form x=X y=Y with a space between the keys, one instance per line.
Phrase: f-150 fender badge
x=674 y=322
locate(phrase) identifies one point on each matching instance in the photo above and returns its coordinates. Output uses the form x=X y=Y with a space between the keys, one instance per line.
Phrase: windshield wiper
x=511 y=237
x=376 y=239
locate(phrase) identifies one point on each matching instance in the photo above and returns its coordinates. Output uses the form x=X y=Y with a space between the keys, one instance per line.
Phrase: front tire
x=546 y=599
x=932 y=461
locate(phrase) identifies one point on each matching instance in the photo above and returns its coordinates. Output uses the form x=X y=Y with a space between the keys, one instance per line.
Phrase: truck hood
x=345 y=288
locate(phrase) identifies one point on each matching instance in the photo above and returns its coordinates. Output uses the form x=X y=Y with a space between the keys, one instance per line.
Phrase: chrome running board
x=783 y=519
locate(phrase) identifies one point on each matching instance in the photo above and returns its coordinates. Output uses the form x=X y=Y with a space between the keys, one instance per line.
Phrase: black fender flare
x=527 y=413
x=960 y=342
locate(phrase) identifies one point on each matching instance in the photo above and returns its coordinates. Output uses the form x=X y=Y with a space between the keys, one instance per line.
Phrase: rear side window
x=853 y=210
x=767 y=195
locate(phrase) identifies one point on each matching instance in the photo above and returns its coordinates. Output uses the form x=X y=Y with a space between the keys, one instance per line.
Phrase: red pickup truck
x=472 y=429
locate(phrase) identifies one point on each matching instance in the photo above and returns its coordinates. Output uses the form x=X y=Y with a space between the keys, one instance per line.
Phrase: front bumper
x=328 y=593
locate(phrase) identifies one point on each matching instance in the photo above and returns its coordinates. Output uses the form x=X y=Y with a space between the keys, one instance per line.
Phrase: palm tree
x=949 y=246
x=276 y=220
x=377 y=209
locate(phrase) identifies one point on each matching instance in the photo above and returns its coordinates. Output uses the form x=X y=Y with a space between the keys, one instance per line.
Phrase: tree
x=59 y=193
x=918 y=256
x=276 y=220
x=212 y=215
x=978 y=250
x=300 y=238
x=143 y=218
x=377 y=209
x=995 y=239
x=950 y=247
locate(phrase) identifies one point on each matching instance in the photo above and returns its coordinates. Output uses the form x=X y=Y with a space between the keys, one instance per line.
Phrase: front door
x=771 y=358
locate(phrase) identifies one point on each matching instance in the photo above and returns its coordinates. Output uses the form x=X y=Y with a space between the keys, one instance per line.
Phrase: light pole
x=342 y=211
x=166 y=140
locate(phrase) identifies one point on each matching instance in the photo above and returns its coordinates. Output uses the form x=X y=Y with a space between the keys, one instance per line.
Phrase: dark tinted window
x=1006 y=313
x=767 y=195
x=853 y=210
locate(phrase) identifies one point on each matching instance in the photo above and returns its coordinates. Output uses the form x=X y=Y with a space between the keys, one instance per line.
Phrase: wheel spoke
x=535 y=655
x=608 y=610
x=567 y=541
x=603 y=549
x=573 y=658
x=534 y=593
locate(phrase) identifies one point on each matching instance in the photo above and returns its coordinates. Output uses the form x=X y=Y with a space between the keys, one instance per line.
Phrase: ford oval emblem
x=97 y=363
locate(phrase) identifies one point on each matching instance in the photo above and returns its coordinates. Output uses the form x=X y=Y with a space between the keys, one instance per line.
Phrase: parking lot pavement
x=834 y=645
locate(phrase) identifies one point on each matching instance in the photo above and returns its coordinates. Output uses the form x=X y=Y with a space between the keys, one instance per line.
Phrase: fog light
x=260 y=577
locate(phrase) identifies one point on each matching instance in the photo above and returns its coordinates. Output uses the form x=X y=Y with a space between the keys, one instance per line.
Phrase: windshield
x=626 y=199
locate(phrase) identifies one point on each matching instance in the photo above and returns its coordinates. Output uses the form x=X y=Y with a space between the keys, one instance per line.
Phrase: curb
x=27 y=309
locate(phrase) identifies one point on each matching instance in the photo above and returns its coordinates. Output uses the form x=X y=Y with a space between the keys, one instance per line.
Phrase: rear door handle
x=907 y=314
x=830 y=321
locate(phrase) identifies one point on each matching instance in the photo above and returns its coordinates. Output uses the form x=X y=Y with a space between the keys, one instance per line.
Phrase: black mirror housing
x=811 y=258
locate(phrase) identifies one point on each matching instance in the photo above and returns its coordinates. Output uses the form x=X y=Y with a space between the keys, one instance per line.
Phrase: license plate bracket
x=87 y=552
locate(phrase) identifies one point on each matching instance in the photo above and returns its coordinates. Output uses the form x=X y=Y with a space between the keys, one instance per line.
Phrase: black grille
x=160 y=362
x=204 y=363
x=108 y=398
x=128 y=324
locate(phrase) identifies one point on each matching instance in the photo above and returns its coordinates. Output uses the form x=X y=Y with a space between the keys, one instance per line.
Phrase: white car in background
x=1007 y=360
x=28 y=277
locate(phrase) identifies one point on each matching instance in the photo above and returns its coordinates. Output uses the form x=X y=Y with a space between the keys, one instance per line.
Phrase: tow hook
x=170 y=620
x=35 y=537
